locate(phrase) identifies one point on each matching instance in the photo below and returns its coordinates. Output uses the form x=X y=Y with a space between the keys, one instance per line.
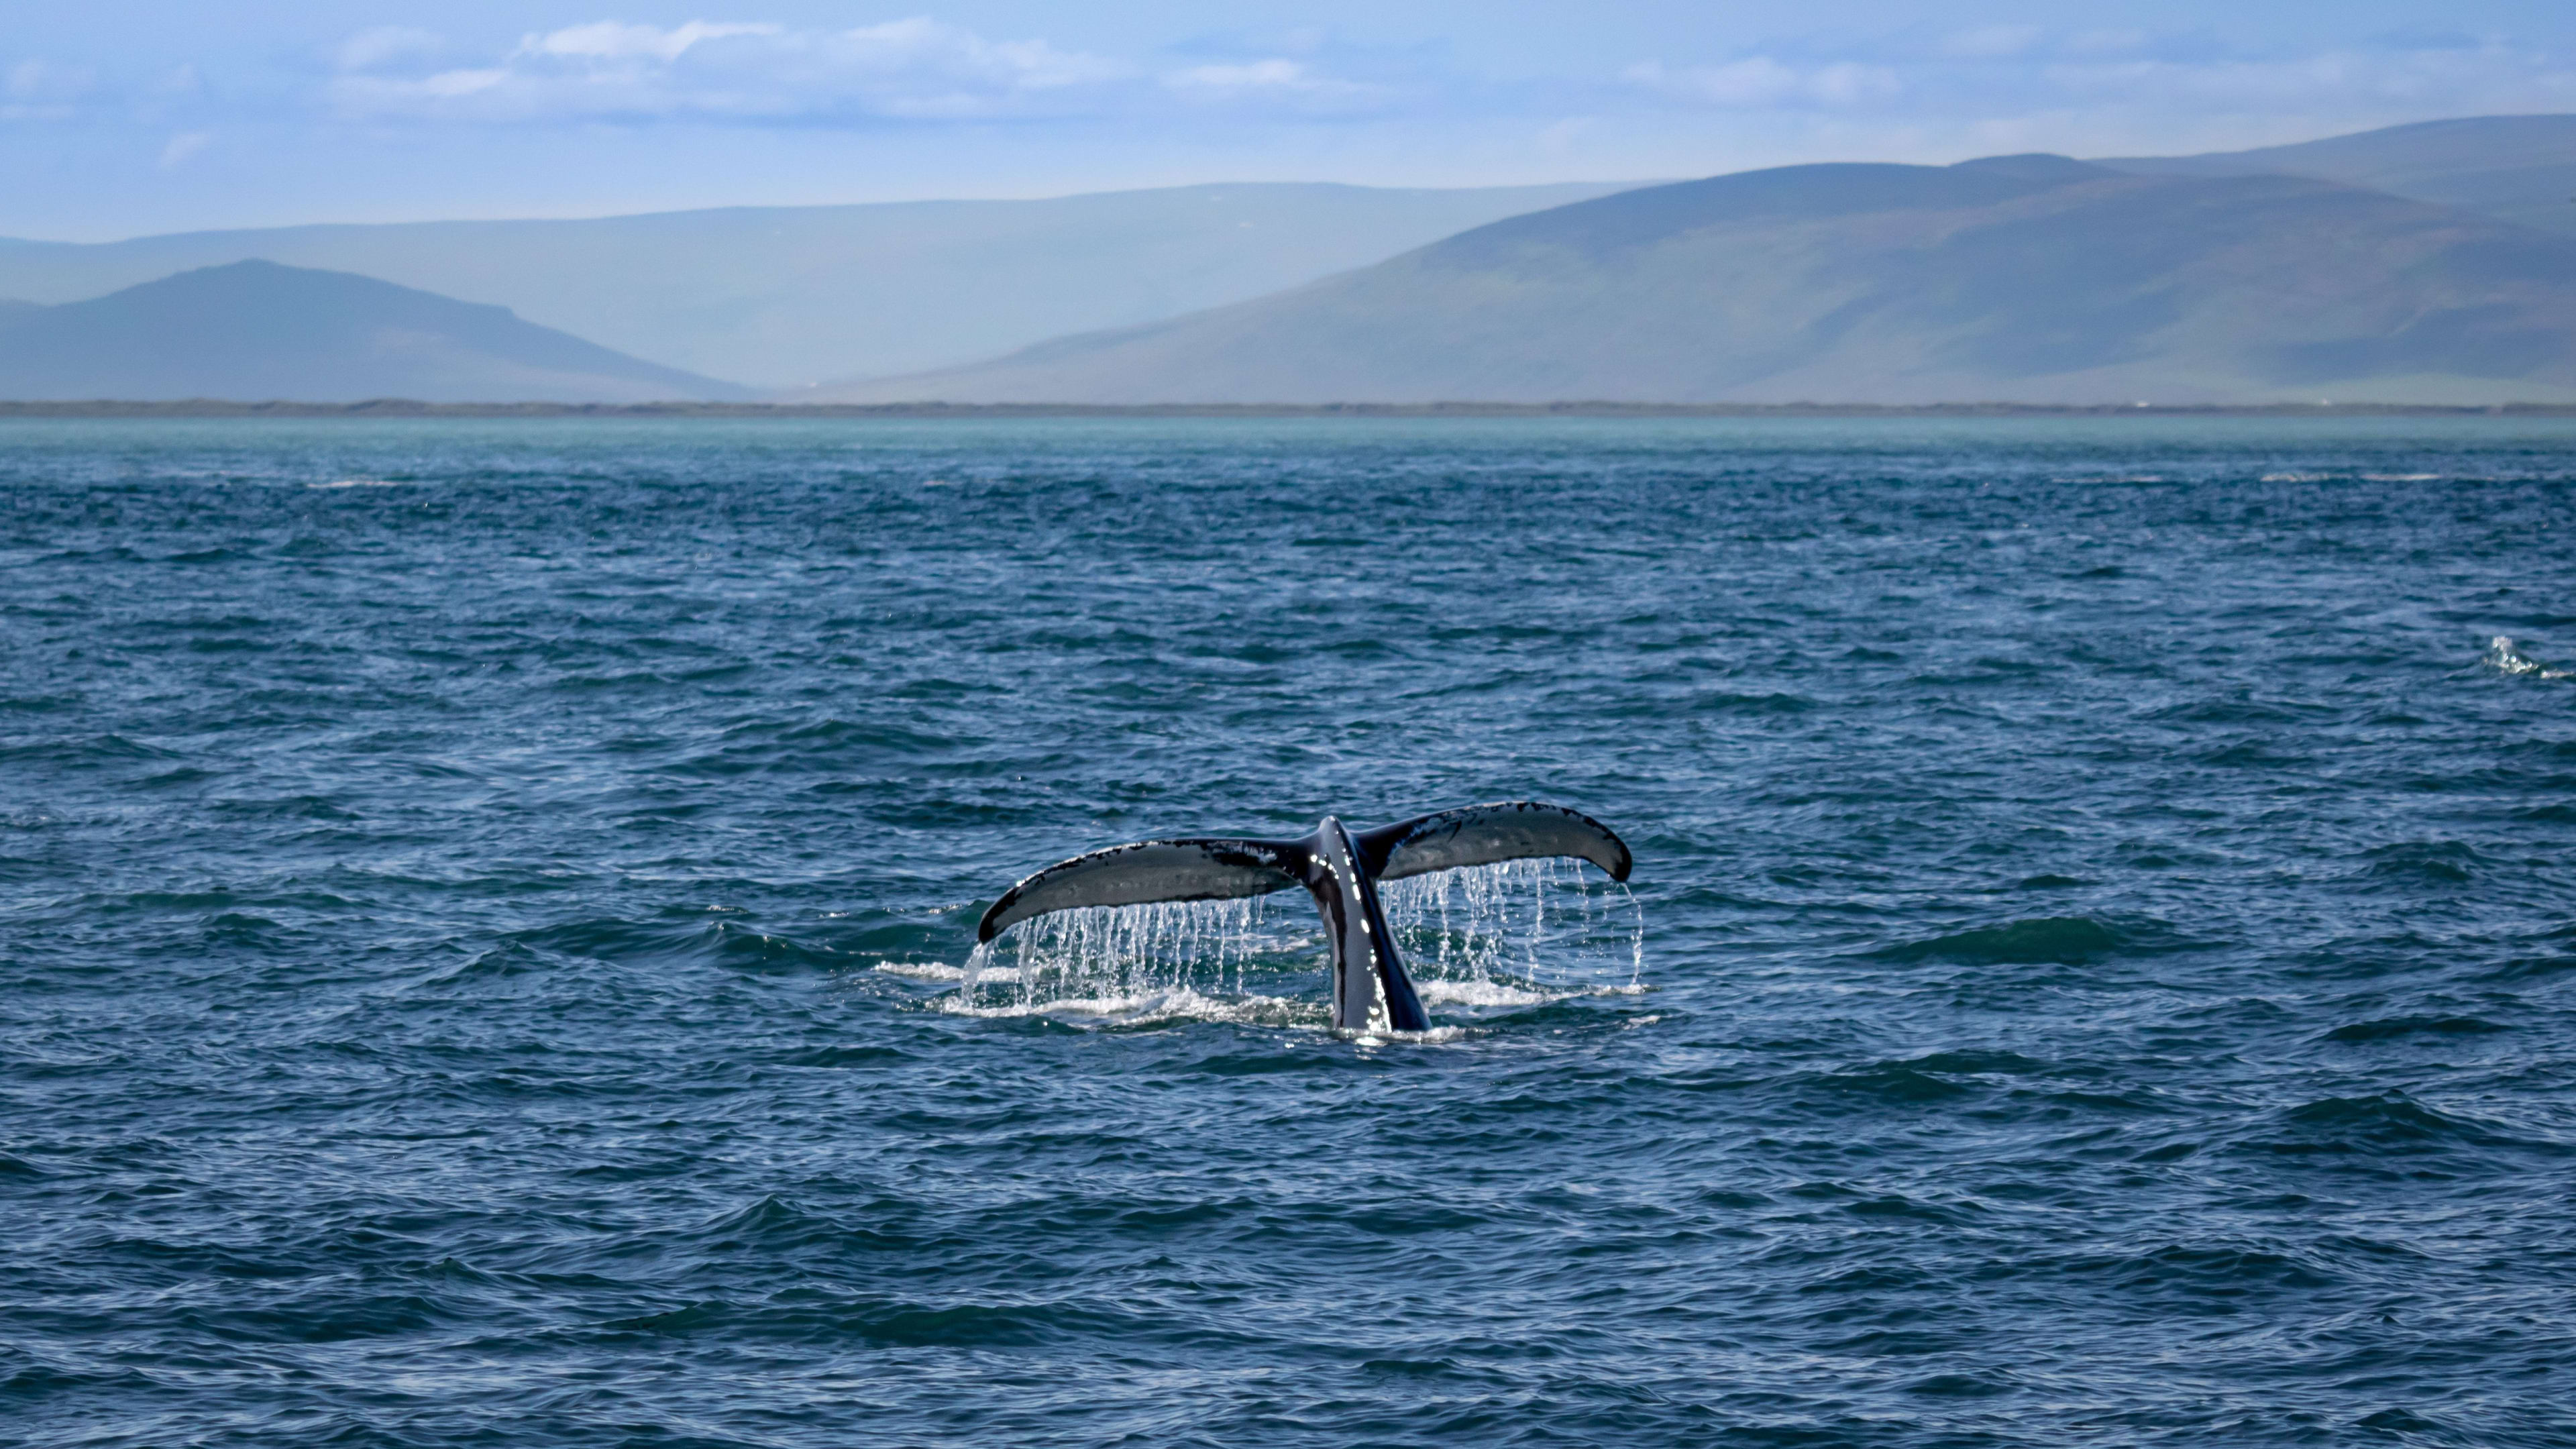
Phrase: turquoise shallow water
x=484 y=906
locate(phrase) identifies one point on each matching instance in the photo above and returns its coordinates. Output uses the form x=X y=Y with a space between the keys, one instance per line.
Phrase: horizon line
x=413 y=408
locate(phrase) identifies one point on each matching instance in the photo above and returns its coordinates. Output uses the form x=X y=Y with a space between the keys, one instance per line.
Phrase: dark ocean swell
x=489 y=952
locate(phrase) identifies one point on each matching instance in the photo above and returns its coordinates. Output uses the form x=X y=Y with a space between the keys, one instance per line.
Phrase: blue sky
x=120 y=117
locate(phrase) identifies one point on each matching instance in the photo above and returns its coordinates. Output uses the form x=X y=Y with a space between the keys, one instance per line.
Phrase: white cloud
x=2105 y=42
x=1763 y=83
x=39 y=81
x=2002 y=75
x=1564 y=136
x=1275 y=82
x=387 y=43
x=1991 y=41
x=1272 y=74
x=740 y=71
x=183 y=146
x=612 y=40
x=37 y=90
x=2486 y=79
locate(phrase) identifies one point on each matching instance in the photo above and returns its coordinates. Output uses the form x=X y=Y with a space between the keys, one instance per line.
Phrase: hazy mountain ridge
x=2516 y=168
x=788 y=296
x=255 y=330
x=2032 y=279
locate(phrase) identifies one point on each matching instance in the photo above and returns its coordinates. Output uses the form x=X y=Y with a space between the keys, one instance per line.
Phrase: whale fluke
x=1341 y=870
x=1149 y=871
x=1490 y=835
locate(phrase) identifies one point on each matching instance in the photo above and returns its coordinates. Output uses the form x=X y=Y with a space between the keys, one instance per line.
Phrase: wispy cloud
x=1276 y=81
x=184 y=145
x=610 y=40
x=2013 y=77
x=44 y=90
x=388 y=44
x=2485 y=78
x=731 y=71
x=2001 y=71
x=1760 y=82
x=917 y=69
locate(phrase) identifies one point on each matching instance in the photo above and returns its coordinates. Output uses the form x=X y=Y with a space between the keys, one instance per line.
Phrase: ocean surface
x=489 y=914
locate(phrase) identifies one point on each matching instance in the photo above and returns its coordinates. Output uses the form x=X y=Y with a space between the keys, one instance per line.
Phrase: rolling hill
x=788 y=296
x=257 y=331
x=2516 y=168
x=2020 y=278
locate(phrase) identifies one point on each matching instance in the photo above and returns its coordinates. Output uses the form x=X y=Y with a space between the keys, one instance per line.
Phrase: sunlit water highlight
x=487 y=955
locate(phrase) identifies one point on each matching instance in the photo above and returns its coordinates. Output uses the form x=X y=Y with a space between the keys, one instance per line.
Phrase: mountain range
x=779 y=297
x=2425 y=263
x=2028 y=278
x=2520 y=169
x=257 y=331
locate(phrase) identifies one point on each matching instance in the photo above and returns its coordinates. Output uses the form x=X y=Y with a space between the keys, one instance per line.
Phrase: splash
x=1120 y=964
x=2502 y=654
x=1489 y=939
x=1546 y=926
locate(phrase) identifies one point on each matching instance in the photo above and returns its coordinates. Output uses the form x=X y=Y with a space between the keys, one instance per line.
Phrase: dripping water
x=1501 y=936
x=1516 y=933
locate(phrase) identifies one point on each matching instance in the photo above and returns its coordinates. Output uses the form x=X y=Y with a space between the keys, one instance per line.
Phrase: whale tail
x=1490 y=835
x=1150 y=871
x=1207 y=869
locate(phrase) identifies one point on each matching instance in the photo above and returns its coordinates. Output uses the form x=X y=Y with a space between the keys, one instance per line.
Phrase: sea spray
x=1508 y=935
x=2504 y=654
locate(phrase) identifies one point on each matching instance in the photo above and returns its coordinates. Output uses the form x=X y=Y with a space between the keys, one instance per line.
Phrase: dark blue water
x=481 y=950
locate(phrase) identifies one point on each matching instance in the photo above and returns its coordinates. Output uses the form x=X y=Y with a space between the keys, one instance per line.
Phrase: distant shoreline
x=404 y=408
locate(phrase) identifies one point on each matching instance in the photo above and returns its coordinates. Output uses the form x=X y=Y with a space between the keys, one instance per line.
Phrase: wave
x=2392 y=1028
x=816 y=1317
x=2388 y=1124
x=2065 y=940
x=692 y=938
x=2444 y=862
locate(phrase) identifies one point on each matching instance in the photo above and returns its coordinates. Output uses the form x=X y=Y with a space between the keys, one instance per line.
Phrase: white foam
x=1436 y=1036
x=2503 y=654
x=1483 y=993
x=1177 y=1004
x=922 y=970
x=355 y=483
